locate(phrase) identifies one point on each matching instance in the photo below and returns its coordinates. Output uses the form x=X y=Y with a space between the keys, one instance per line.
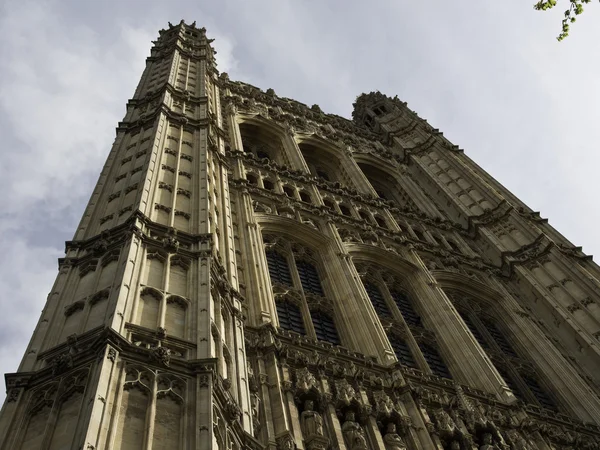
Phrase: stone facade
x=254 y=273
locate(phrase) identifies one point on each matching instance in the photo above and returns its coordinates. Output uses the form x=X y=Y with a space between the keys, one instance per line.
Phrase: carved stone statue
x=312 y=422
x=455 y=445
x=353 y=433
x=392 y=440
x=487 y=442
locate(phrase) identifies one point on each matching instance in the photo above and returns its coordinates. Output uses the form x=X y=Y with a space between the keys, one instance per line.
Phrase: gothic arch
x=263 y=139
x=370 y=254
x=323 y=159
x=383 y=179
x=294 y=230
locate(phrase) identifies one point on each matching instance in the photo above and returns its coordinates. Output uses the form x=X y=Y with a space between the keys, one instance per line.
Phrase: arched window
x=262 y=142
x=419 y=234
x=305 y=197
x=289 y=191
x=504 y=357
x=325 y=327
x=453 y=245
x=345 y=210
x=498 y=337
x=278 y=268
x=364 y=216
x=435 y=361
x=473 y=329
x=329 y=203
x=402 y=351
x=290 y=317
x=322 y=174
x=252 y=179
x=309 y=277
x=406 y=308
x=269 y=185
x=306 y=293
x=538 y=392
x=381 y=221
x=377 y=300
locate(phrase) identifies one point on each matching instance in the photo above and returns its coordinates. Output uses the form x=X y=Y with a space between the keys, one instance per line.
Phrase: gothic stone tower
x=254 y=273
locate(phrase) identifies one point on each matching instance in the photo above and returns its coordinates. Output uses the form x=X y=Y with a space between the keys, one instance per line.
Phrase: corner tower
x=251 y=272
x=140 y=344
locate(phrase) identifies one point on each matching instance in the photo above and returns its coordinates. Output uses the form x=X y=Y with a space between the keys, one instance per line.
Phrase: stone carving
x=312 y=422
x=392 y=439
x=353 y=433
x=345 y=392
x=487 y=442
x=162 y=355
x=305 y=381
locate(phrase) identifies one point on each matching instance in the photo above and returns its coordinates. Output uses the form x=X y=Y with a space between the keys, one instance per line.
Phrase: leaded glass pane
x=402 y=351
x=474 y=330
x=405 y=306
x=309 y=277
x=278 y=268
x=539 y=393
x=435 y=361
x=325 y=327
x=377 y=300
x=498 y=337
x=290 y=317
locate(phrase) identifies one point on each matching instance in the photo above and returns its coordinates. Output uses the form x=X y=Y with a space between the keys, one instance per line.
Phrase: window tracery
x=300 y=298
x=523 y=381
x=394 y=307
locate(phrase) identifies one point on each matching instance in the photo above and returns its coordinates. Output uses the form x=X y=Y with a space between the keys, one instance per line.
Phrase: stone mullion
x=336 y=428
x=569 y=386
x=467 y=361
x=355 y=172
x=304 y=308
x=377 y=339
x=375 y=436
x=293 y=151
x=417 y=432
x=409 y=338
x=150 y=416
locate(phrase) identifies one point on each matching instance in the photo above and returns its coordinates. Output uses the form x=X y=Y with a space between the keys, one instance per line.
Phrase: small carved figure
x=353 y=432
x=392 y=440
x=487 y=442
x=312 y=422
x=455 y=445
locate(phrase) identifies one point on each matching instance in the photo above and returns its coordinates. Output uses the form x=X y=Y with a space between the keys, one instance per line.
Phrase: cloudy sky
x=489 y=74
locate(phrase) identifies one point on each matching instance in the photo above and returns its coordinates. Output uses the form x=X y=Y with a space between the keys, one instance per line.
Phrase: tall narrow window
x=278 y=268
x=290 y=317
x=405 y=306
x=474 y=330
x=309 y=277
x=435 y=361
x=498 y=337
x=325 y=327
x=402 y=351
x=377 y=300
x=539 y=392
